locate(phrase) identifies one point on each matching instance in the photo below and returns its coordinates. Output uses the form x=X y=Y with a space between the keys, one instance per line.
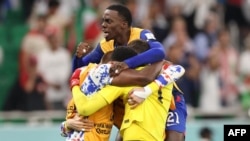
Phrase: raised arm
x=94 y=56
x=154 y=54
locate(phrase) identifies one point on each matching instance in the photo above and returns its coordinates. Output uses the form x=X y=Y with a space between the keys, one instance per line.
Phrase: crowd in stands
x=210 y=38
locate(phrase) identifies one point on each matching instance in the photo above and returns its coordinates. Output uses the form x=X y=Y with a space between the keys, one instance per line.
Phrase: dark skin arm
x=174 y=136
x=141 y=78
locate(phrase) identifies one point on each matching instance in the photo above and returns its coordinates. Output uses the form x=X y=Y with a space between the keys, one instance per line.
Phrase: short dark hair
x=139 y=45
x=122 y=53
x=53 y=3
x=123 y=11
x=206 y=132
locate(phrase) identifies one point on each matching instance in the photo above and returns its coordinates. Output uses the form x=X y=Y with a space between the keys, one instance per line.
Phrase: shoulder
x=147 y=35
x=106 y=46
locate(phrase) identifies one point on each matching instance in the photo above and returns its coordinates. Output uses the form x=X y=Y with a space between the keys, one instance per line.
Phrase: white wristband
x=143 y=94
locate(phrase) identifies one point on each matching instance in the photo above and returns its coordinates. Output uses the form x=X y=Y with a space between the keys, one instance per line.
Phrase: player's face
x=112 y=25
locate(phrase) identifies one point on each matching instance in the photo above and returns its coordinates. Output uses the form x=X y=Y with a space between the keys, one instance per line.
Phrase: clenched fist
x=83 y=49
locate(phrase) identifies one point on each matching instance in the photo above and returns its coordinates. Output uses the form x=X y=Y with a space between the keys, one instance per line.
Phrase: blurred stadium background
x=216 y=85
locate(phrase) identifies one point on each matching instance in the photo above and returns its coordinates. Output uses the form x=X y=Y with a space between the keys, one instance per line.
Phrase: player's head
x=53 y=5
x=122 y=11
x=117 y=19
x=122 y=53
x=206 y=132
x=139 y=45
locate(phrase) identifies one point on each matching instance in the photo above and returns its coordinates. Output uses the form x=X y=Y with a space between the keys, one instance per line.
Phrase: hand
x=80 y=123
x=169 y=74
x=117 y=67
x=134 y=100
x=83 y=49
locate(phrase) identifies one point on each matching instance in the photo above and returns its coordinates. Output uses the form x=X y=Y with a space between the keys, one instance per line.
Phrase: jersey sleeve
x=87 y=105
x=93 y=57
x=155 y=53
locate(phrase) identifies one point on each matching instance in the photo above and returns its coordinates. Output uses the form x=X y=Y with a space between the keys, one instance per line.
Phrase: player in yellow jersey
x=164 y=80
x=102 y=118
x=128 y=77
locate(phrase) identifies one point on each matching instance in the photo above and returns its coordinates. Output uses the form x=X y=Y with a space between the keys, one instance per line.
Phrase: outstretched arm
x=87 y=105
x=141 y=77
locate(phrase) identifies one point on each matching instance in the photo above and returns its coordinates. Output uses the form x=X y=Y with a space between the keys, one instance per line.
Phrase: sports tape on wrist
x=143 y=94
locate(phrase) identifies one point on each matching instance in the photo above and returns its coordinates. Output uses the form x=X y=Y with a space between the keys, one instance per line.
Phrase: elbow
x=159 y=49
x=161 y=54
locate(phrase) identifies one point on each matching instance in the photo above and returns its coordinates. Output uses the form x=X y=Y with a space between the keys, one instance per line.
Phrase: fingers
x=117 y=68
x=87 y=124
x=130 y=101
x=134 y=100
x=86 y=48
x=133 y=104
x=80 y=124
x=82 y=49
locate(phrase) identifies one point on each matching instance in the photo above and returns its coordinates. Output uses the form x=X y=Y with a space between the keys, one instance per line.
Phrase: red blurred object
x=92 y=31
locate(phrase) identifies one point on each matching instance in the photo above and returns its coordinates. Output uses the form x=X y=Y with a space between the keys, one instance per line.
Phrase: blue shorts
x=176 y=120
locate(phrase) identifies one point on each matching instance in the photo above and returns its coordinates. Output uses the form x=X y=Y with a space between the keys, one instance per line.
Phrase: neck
x=123 y=39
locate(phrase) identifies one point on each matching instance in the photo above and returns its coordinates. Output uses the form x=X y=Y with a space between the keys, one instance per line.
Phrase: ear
x=124 y=24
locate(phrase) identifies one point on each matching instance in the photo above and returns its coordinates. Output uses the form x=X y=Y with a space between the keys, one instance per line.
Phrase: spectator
x=55 y=66
x=173 y=10
x=206 y=38
x=228 y=59
x=234 y=13
x=244 y=73
x=210 y=95
x=178 y=35
x=29 y=87
x=64 y=23
x=206 y=134
x=155 y=21
x=179 y=42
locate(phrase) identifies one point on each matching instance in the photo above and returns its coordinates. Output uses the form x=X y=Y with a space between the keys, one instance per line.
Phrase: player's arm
x=141 y=77
x=87 y=105
x=154 y=54
x=94 y=57
x=168 y=75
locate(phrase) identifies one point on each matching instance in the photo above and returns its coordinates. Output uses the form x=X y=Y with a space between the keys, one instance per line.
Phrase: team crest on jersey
x=150 y=36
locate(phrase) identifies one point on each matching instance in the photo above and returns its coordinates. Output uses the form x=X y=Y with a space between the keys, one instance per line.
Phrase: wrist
x=143 y=94
x=161 y=81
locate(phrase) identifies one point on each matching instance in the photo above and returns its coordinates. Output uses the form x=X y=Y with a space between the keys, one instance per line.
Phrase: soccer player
x=117 y=29
x=98 y=76
x=116 y=25
x=92 y=78
x=176 y=122
x=139 y=120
